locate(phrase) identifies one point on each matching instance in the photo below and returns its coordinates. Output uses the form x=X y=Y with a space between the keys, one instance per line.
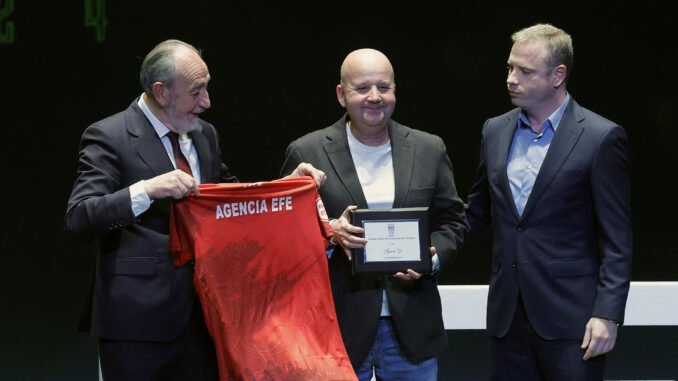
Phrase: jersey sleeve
x=178 y=244
x=323 y=220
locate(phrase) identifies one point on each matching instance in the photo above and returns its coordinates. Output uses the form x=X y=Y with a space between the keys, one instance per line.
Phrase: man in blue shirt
x=553 y=185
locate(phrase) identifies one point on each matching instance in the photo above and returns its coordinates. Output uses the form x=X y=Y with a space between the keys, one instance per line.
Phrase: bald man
x=132 y=164
x=390 y=324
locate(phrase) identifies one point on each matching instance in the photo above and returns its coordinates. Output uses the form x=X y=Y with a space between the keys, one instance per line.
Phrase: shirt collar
x=158 y=126
x=553 y=119
x=353 y=140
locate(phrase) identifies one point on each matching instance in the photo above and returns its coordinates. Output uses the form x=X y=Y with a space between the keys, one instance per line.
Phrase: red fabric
x=261 y=275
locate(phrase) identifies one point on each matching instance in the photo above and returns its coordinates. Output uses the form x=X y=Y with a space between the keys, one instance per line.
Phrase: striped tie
x=179 y=157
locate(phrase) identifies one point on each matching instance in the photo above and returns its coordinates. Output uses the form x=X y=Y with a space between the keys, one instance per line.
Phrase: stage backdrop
x=64 y=65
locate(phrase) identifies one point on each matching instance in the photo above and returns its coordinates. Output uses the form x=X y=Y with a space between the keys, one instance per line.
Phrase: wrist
x=609 y=320
x=615 y=322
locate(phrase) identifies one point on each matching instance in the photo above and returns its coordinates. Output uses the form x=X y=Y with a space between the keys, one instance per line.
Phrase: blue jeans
x=389 y=363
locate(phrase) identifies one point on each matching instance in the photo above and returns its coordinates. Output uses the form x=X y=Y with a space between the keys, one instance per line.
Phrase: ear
x=559 y=75
x=161 y=93
x=340 y=96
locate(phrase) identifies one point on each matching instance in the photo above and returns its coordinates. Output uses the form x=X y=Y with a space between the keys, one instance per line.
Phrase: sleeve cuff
x=140 y=200
x=435 y=263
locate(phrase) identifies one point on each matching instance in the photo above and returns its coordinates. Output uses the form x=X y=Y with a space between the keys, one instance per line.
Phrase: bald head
x=367 y=92
x=363 y=61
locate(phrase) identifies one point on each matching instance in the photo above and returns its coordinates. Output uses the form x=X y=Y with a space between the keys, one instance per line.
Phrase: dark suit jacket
x=423 y=177
x=137 y=293
x=569 y=254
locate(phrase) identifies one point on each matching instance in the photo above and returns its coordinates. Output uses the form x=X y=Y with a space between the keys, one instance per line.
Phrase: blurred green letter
x=6 y=27
x=95 y=16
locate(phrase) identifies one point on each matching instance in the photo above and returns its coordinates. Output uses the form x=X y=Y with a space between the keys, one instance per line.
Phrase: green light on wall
x=95 y=16
x=6 y=26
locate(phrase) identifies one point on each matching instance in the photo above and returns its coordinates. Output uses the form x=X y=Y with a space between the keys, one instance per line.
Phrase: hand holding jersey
x=306 y=169
x=175 y=184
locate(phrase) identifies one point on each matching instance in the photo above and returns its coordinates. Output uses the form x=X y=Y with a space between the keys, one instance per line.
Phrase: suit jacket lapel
x=402 y=146
x=146 y=141
x=336 y=148
x=567 y=135
x=502 y=149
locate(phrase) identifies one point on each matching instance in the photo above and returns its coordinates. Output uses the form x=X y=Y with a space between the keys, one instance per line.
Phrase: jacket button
x=515 y=264
x=519 y=228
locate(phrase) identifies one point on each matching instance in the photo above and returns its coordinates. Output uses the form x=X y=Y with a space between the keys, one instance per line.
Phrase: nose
x=511 y=79
x=204 y=100
x=373 y=95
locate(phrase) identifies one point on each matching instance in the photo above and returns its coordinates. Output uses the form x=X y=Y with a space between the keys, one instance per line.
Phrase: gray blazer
x=423 y=177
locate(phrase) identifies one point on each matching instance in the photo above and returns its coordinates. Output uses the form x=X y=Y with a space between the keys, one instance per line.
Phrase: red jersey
x=261 y=275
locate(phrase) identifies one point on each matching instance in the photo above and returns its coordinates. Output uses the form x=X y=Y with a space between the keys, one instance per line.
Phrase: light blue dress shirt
x=527 y=154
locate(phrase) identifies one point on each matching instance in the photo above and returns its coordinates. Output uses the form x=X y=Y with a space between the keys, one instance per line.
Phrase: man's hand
x=176 y=184
x=411 y=274
x=344 y=232
x=306 y=169
x=599 y=337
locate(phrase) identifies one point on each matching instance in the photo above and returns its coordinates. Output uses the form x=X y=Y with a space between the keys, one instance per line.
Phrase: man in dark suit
x=142 y=308
x=553 y=184
x=390 y=323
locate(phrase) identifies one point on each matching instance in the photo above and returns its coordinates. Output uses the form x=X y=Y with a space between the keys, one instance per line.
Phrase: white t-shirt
x=375 y=171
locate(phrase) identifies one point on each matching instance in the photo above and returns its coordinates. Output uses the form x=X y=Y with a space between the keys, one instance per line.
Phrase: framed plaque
x=397 y=239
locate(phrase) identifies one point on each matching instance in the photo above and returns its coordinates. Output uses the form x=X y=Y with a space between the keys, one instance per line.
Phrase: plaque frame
x=423 y=265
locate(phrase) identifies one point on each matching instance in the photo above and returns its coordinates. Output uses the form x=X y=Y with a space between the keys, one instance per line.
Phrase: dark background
x=274 y=69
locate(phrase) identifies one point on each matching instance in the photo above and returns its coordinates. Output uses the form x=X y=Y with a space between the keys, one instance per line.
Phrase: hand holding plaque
x=345 y=234
x=397 y=240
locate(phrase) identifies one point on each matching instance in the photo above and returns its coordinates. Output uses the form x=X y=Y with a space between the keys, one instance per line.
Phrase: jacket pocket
x=574 y=267
x=133 y=266
x=420 y=196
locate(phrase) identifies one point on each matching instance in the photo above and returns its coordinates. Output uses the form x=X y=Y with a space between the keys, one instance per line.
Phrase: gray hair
x=558 y=43
x=158 y=66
